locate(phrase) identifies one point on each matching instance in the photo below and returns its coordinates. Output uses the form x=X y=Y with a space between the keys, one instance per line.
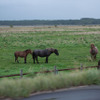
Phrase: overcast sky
x=48 y=9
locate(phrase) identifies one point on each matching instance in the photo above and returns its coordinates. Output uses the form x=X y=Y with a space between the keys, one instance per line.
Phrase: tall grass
x=23 y=87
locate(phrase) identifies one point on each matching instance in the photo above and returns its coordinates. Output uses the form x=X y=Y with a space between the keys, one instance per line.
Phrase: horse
x=93 y=51
x=44 y=53
x=22 y=54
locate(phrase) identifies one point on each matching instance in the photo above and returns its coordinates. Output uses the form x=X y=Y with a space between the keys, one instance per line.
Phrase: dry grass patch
x=26 y=29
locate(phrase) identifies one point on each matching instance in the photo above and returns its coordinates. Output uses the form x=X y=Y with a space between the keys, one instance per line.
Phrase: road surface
x=79 y=93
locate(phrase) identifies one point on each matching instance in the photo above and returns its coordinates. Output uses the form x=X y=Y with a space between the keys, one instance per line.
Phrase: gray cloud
x=48 y=9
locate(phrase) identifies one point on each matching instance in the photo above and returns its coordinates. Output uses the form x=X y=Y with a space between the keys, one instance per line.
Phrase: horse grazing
x=22 y=54
x=93 y=51
x=43 y=53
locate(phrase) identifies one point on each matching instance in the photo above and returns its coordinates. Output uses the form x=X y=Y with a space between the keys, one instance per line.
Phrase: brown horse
x=93 y=51
x=22 y=54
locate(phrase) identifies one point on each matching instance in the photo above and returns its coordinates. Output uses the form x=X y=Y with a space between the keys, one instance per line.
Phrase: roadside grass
x=16 y=88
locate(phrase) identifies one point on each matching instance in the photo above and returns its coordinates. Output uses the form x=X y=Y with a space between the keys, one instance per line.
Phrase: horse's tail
x=33 y=56
x=15 y=56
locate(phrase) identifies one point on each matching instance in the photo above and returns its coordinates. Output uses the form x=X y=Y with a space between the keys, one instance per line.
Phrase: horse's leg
x=33 y=56
x=17 y=59
x=37 y=60
x=94 y=57
x=46 y=60
x=25 y=60
x=34 y=59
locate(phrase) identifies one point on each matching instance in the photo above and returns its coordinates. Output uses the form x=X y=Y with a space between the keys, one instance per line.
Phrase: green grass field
x=72 y=42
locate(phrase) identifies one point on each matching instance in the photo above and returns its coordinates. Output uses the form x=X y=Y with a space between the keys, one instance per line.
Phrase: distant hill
x=83 y=21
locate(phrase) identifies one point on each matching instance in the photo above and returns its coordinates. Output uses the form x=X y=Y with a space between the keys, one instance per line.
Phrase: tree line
x=83 y=21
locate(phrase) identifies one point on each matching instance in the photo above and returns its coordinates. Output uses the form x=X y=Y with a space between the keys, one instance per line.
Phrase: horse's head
x=56 y=52
x=28 y=51
x=53 y=51
x=92 y=46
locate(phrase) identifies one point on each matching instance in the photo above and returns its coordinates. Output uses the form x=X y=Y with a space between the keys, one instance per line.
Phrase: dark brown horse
x=22 y=54
x=93 y=51
x=44 y=53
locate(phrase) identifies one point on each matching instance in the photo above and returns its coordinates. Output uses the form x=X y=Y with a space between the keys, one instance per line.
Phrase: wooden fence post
x=55 y=70
x=21 y=73
x=81 y=68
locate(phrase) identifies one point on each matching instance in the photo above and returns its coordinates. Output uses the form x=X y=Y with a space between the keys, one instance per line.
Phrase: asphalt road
x=79 y=93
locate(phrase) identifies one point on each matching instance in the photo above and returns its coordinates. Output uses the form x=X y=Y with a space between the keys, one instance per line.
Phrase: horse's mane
x=50 y=49
x=27 y=50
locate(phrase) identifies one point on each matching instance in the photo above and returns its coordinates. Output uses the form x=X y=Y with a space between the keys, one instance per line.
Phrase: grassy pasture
x=72 y=42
